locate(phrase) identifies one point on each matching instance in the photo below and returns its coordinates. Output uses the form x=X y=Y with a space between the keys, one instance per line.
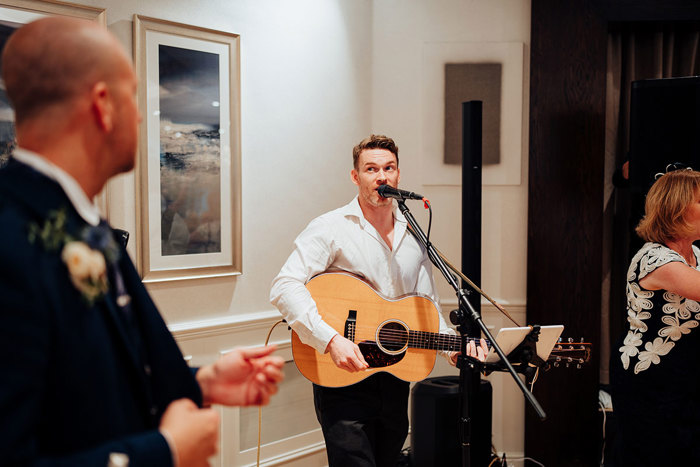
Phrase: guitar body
x=380 y=328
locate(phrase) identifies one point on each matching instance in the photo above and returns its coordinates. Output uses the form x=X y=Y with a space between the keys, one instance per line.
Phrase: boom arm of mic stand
x=462 y=296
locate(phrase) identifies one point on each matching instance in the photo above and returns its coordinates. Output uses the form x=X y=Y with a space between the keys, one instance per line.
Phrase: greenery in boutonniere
x=86 y=254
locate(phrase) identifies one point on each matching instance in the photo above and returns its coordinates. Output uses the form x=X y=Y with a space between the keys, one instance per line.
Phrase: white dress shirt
x=344 y=240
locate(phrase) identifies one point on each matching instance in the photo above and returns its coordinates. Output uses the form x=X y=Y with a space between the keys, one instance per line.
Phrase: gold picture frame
x=56 y=8
x=188 y=169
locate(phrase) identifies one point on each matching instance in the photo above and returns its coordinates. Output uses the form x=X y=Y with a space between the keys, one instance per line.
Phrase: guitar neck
x=566 y=353
x=437 y=341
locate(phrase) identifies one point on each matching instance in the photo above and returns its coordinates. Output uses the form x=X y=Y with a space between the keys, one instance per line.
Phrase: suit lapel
x=113 y=312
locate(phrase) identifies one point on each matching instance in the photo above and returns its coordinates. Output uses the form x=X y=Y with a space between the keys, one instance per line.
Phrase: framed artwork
x=14 y=14
x=188 y=169
x=491 y=72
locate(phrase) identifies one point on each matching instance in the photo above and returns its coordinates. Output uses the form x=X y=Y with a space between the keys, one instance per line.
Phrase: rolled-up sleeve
x=313 y=253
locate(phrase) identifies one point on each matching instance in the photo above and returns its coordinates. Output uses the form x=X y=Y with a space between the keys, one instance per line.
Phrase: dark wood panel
x=647 y=10
x=565 y=215
x=567 y=110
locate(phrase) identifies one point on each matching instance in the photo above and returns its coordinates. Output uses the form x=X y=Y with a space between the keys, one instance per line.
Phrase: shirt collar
x=353 y=209
x=82 y=204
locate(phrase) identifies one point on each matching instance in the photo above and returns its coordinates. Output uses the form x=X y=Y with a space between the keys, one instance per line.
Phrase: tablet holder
x=524 y=357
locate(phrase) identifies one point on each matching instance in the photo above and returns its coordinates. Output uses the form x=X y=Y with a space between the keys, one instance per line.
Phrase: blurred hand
x=242 y=377
x=194 y=432
x=346 y=354
x=472 y=351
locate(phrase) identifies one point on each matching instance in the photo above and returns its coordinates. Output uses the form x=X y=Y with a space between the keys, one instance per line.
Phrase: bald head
x=54 y=60
x=74 y=93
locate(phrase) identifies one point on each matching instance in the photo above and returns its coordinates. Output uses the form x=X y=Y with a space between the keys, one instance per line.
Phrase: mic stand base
x=469 y=381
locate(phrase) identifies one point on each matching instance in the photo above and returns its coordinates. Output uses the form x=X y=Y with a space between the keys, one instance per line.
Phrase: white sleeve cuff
x=321 y=336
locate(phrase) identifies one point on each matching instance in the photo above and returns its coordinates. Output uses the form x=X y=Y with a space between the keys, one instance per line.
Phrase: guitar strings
x=403 y=332
x=402 y=336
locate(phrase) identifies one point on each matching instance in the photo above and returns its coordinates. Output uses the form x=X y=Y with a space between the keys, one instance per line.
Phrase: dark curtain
x=635 y=51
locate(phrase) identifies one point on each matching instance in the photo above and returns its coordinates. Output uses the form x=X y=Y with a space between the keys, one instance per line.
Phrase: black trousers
x=364 y=425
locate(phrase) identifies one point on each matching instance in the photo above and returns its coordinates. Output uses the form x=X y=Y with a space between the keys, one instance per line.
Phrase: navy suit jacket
x=73 y=386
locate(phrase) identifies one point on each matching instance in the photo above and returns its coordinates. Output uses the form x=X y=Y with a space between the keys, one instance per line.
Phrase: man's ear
x=102 y=106
x=354 y=177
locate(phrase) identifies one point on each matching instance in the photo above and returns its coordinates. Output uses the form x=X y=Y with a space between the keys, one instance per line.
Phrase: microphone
x=386 y=191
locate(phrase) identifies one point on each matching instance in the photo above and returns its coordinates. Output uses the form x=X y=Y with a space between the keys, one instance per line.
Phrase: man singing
x=364 y=424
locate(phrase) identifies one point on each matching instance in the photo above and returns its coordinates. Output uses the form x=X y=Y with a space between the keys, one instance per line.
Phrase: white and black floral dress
x=656 y=370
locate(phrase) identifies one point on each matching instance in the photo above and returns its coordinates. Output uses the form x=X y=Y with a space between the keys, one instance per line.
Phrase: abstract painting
x=190 y=153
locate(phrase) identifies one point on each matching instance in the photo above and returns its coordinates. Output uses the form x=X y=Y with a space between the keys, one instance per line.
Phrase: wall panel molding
x=204 y=341
x=217 y=326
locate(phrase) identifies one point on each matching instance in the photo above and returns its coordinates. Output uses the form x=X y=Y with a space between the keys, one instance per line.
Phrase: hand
x=194 y=432
x=346 y=354
x=472 y=351
x=242 y=377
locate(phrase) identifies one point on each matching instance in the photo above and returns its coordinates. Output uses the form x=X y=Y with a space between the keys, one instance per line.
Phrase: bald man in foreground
x=90 y=373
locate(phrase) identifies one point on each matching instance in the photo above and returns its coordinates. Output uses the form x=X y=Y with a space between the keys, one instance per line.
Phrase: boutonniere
x=86 y=253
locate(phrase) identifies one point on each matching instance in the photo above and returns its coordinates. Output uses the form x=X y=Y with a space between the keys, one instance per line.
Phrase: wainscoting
x=290 y=433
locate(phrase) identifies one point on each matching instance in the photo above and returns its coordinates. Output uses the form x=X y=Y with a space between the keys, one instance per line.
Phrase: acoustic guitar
x=399 y=336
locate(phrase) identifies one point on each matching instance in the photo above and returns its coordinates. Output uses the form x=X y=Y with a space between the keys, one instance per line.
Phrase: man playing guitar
x=364 y=424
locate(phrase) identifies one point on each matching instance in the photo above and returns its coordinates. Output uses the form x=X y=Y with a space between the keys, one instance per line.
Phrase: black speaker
x=435 y=424
x=664 y=128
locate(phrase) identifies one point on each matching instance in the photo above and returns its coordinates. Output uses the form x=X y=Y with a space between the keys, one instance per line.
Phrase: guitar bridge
x=350 y=323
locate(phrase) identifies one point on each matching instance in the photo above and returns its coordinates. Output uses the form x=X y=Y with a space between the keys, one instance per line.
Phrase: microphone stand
x=469 y=368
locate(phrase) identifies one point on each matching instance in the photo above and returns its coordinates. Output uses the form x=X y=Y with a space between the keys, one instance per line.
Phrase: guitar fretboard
x=420 y=339
x=437 y=341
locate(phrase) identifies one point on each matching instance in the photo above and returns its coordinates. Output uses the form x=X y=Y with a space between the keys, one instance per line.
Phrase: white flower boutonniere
x=87 y=269
x=86 y=255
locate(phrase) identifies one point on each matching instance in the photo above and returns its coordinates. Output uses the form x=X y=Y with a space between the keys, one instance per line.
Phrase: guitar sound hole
x=392 y=336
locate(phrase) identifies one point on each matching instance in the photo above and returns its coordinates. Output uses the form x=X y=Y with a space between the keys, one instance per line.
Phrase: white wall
x=405 y=34
x=318 y=76
x=402 y=28
x=305 y=102
x=305 y=98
